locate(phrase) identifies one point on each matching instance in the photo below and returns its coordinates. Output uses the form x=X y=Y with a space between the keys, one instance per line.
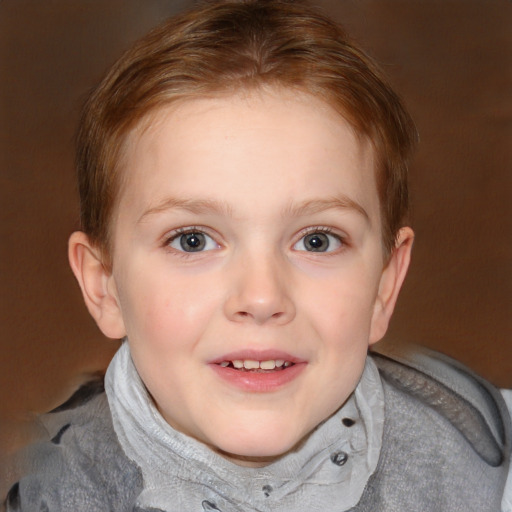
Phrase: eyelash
x=317 y=229
x=328 y=231
x=168 y=239
x=171 y=237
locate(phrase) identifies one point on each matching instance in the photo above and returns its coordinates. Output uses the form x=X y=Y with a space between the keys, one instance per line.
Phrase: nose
x=259 y=292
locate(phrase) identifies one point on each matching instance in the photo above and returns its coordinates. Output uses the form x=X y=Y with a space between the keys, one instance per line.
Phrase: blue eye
x=193 y=241
x=318 y=241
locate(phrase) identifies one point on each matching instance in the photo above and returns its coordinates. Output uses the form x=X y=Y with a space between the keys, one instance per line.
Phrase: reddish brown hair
x=222 y=47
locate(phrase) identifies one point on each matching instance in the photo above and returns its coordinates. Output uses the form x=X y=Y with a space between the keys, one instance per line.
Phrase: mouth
x=252 y=365
x=258 y=371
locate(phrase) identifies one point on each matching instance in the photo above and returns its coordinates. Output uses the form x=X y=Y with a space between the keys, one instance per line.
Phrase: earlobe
x=390 y=284
x=97 y=285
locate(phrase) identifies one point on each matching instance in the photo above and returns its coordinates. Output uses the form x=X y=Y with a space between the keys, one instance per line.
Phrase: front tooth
x=279 y=362
x=238 y=364
x=249 y=364
x=267 y=365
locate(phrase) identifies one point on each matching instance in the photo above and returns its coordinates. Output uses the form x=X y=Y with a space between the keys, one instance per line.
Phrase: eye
x=192 y=241
x=318 y=241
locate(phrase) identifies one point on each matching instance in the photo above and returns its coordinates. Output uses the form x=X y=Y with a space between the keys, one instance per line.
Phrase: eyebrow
x=319 y=205
x=197 y=206
x=209 y=206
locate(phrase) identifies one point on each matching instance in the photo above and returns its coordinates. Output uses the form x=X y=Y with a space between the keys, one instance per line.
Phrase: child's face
x=248 y=229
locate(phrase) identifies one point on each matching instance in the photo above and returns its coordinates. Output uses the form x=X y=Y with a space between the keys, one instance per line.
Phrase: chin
x=259 y=449
x=252 y=458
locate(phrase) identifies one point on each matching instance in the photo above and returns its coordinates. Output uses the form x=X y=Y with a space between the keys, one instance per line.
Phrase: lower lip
x=259 y=382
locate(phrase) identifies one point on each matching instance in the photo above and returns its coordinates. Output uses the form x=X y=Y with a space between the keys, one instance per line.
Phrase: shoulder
x=473 y=406
x=81 y=466
x=446 y=428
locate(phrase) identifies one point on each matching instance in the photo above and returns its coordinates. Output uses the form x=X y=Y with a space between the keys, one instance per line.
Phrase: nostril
x=258 y=309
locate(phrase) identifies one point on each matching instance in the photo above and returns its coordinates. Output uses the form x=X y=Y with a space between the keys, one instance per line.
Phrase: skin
x=256 y=173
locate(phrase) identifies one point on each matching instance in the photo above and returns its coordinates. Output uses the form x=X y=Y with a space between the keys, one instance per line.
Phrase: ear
x=97 y=284
x=391 y=281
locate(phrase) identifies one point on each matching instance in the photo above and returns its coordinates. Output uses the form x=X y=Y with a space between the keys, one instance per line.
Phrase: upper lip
x=257 y=355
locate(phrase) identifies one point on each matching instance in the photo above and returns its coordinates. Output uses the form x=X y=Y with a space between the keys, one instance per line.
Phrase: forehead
x=260 y=145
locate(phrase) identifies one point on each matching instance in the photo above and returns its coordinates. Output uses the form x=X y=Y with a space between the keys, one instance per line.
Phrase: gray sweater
x=445 y=448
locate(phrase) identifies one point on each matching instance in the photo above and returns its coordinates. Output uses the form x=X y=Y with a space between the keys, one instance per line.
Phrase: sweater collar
x=329 y=471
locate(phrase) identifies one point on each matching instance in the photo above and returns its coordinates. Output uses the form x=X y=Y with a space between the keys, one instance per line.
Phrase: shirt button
x=339 y=458
x=267 y=489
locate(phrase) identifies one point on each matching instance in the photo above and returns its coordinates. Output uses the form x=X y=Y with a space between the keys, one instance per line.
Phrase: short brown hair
x=224 y=46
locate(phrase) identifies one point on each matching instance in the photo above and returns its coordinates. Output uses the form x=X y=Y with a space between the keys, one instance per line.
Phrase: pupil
x=316 y=242
x=191 y=242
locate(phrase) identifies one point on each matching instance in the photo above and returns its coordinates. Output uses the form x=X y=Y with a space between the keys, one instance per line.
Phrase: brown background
x=450 y=59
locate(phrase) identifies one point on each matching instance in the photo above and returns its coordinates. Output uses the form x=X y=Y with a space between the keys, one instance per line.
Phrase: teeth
x=251 y=364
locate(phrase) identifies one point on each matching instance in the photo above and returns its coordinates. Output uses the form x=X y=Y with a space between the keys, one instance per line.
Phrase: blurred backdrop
x=450 y=59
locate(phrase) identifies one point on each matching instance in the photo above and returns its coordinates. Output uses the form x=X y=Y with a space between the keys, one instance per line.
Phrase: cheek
x=344 y=301
x=162 y=307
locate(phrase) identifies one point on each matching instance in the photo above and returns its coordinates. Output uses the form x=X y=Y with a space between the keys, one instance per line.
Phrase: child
x=243 y=183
